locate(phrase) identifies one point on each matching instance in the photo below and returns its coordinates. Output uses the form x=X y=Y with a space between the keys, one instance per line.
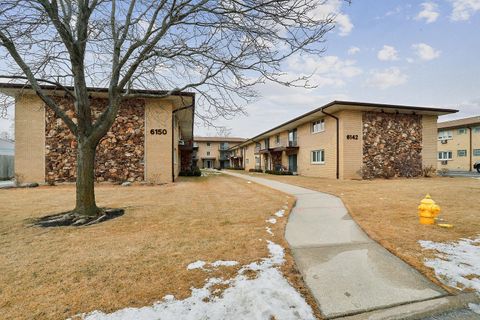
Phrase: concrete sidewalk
x=347 y=272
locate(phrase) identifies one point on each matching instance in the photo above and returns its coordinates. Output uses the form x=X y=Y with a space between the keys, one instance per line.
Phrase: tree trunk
x=85 y=200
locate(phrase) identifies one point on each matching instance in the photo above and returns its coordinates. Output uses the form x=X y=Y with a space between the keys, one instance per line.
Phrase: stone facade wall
x=120 y=154
x=392 y=145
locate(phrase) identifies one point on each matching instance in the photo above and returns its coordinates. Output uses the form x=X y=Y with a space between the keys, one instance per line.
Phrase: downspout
x=471 y=150
x=338 y=141
x=173 y=134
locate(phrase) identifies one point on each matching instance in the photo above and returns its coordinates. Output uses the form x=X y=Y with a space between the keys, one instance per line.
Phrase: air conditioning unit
x=444 y=141
x=444 y=162
x=181 y=142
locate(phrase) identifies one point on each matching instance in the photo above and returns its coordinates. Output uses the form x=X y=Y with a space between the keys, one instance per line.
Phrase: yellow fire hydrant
x=428 y=210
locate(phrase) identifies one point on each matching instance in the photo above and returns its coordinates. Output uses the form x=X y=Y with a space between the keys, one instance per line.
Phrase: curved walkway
x=346 y=271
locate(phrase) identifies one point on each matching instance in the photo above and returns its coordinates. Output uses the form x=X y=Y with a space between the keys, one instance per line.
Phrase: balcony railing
x=223 y=147
x=284 y=143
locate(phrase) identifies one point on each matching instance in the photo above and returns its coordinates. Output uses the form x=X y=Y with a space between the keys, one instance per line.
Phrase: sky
x=422 y=53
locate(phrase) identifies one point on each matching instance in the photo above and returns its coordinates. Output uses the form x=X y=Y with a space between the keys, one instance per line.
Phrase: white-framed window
x=462 y=131
x=208 y=153
x=445 y=155
x=461 y=153
x=476 y=152
x=208 y=144
x=476 y=129
x=277 y=139
x=318 y=126
x=445 y=135
x=317 y=156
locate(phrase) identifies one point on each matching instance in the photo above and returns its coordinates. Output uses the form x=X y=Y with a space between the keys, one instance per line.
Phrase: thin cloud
x=425 y=52
x=464 y=9
x=353 y=50
x=429 y=13
x=387 y=53
x=387 y=78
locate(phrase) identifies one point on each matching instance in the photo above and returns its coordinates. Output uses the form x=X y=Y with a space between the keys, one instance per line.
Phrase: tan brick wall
x=429 y=141
x=308 y=142
x=203 y=148
x=249 y=151
x=351 y=150
x=458 y=142
x=214 y=150
x=29 y=139
x=158 y=148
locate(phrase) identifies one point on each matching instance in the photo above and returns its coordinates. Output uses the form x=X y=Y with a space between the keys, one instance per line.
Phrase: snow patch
x=223 y=263
x=280 y=213
x=474 y=307
x=271 y=220
x=457 y=264
x=267 y=296
x=196 y=265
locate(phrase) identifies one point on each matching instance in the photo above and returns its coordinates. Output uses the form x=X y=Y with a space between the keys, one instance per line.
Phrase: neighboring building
x=212 y=152
x=150 y=140
x=349 y=140
x=459 y=144
x=7 y=147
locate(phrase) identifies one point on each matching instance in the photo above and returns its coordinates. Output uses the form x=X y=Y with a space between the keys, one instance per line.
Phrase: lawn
x=387 y=210
x=136 y=259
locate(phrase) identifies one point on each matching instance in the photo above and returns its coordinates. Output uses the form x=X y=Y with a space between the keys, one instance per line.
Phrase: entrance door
x=208 y=164
x=292 y=163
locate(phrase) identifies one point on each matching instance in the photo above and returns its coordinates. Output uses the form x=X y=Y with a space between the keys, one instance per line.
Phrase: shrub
x=237 y=168
x=443 y=171
x=255 y=170
x=429 y=171
x=191 y=173
x=279 y=173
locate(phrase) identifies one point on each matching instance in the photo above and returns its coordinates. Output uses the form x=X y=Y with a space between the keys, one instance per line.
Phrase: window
x=462 y=131
x=462 y=153
x=208 y=153
x=318 y=156
x=277 y=139
x=445 y=155
x=266 y=142
x=476 y=152
x=318 y=126
x=444 y=135
x=292 y=138
x=476 y=129
x=208 y=144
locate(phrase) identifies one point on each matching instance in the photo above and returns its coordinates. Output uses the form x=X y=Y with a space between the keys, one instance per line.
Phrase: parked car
x=476 y=165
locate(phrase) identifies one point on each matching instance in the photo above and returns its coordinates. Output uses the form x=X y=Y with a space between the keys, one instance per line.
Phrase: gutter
x=338 y=140
x=173 y=134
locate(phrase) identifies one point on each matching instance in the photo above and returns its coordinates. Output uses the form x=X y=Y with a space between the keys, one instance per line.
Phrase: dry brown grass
x=387 y=210
x=136 y=259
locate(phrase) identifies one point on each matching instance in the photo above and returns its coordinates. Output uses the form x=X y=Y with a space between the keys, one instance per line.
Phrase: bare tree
x=219 y=49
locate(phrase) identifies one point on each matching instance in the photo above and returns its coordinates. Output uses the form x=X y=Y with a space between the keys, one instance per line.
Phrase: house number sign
x=352 y=136
x=158 y=131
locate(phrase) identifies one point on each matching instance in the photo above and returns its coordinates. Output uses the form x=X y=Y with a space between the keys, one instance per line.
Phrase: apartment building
x=349 y=140
x=458 y=144
x=213 y=152
x=150 y=140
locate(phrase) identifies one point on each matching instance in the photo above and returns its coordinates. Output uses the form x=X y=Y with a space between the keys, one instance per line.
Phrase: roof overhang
x=337 y=106
x=183 y=102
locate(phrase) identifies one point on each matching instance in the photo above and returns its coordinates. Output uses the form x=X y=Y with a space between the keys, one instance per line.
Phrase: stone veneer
x=392 y=145
x=120 y=154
